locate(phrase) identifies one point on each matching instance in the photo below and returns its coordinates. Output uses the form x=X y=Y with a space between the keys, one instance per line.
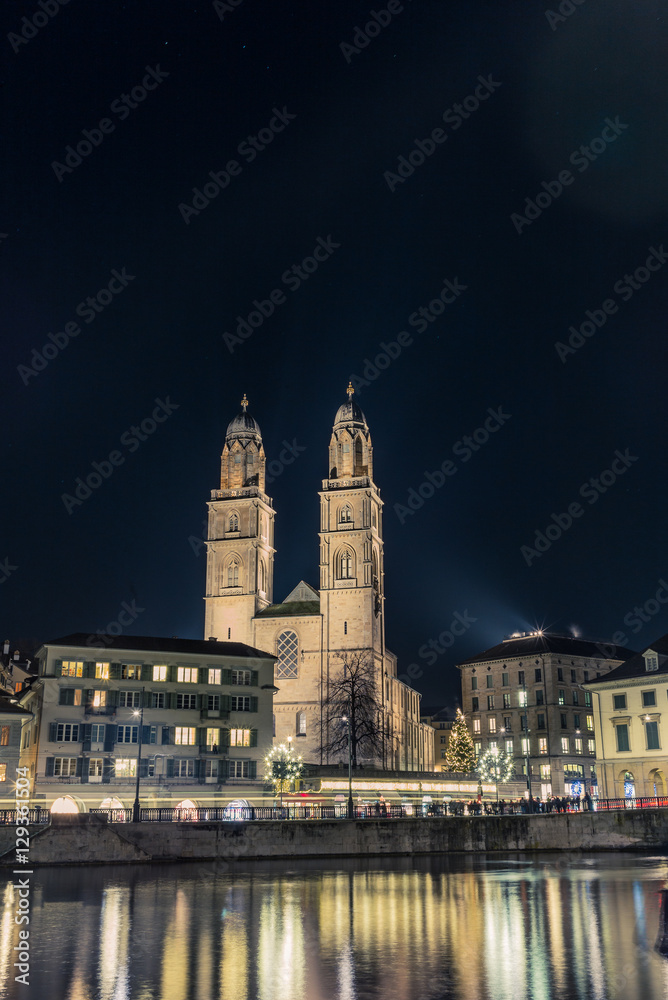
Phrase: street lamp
x=135 y=810
x=496 y=774
x=527 y=747
x=346 y=719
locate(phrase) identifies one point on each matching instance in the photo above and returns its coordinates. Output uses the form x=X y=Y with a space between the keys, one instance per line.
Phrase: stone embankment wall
x=86 y=839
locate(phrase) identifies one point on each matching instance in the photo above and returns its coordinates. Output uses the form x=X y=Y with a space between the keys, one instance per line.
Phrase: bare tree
x=353 y=694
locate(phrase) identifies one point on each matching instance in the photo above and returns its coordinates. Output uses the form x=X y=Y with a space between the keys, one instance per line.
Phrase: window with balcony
x=185 y=736
x=99 y=699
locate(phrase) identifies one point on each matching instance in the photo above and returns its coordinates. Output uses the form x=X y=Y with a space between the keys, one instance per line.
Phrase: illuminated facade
x=310 y=630
x=526 y=696
x=197 y=714
x=630 y=707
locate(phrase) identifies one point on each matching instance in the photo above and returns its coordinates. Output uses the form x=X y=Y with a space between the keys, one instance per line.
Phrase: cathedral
x=311 y=630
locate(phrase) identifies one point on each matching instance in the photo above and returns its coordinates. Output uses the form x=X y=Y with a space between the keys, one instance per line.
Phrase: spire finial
x=350 y=391
x=244 y=403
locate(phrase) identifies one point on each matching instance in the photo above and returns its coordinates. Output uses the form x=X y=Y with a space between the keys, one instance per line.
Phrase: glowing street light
x=346 y=719
x=135 y=809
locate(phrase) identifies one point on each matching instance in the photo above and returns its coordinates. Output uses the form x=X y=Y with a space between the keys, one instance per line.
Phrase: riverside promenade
x=91 y=839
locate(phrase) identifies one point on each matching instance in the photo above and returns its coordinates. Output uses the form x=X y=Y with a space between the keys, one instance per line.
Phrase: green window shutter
x=253 y=704
x=143 y=768
x=146 y=700
x=253 y=737
x=53 y=729
x=89 y=669
x=172 y=699
x=165 y=735
x=223 y=769
x=58 y=668
x=114 y=671
x=85 y=736
x=88 y=700
x=146 y=734
x=66 y=696
x=107 y=769
x=201 y=736
x=254 y=678
x=252 y=769
x=84 y=769
x=109 y=737
x=224 y=737
x=112 y=698
x=203 y=675
x=79 y=766
x=225 y=702
x=226 y=677
x=49 y=767
x=172 y=673
x=170 y=767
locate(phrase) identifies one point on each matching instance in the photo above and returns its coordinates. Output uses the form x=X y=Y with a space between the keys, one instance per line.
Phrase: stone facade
x=311 y=631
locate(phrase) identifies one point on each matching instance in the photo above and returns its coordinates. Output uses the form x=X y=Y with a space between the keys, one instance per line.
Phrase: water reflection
x=465 y=928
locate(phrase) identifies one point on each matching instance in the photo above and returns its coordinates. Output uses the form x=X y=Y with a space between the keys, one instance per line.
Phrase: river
x=520 y=927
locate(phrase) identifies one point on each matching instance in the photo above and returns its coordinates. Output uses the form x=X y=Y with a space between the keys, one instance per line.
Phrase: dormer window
x=651 y=661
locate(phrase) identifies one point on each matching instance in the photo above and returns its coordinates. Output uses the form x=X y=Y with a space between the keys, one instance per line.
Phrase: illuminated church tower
x=240 y=545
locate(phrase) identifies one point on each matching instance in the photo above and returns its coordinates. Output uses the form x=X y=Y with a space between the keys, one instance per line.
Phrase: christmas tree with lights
x=460 y=755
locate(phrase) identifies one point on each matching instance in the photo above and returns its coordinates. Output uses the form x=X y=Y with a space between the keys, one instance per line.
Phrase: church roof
x=243 y=423
x=292 y=609
x=350 y=413
x=302 y=592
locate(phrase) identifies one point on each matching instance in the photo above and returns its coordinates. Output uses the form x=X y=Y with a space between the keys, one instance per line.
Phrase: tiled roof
x=636 y=667
x=159 y=644
x=294 y=609
x=547 y=642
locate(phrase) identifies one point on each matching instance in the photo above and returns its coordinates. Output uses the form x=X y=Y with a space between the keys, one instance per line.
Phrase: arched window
x=233 y=524
x=346 y=514
x=346 y=565
x=287 y=650
x=262 y=578
x=359 y=457
x=233 y=573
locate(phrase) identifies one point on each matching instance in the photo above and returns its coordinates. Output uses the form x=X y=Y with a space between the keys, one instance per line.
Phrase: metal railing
x=34 y=818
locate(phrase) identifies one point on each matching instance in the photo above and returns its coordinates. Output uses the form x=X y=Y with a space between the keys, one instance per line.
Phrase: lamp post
x=527 y=751
x=135 y=810
x=346 y=719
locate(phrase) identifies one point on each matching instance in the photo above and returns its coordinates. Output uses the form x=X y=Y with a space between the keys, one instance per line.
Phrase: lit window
x=476 y=725
x=240 y=737
x=241 y=677
x=619 y=701
x=591 y=746
x=99 y=699
x=102 y=671
x=185 y=736
x=186 y=675
x=160 y=673
x=648 y=699
x=565 y=746
x=130 y=671
x=522 y=699
x=126 y=767
x=588 y=699
x=95 y=765
x=545 y=772
x=562 y=696
x=509 y=747
x=64 y=767
x=4 y=736
x=127 y=734
x=506 y=700
x=490 y=702
x=3 y=772
x=578 y=744
x=492 y=745
x=477 y=746
x=72 y=668
x=492 y=724
x=590 y=722
x=287 y=648
x=525 y=745
x=240 y=703
x=129 y=699
x=215 y=676
x=212 y=738
x=542 y=745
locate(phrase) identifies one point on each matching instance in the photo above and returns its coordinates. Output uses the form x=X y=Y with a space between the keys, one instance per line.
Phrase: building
x=14 y=730
x=630 y=705
x=311 y=631
x=526 y=696
x=440 y=721
x=198 y=714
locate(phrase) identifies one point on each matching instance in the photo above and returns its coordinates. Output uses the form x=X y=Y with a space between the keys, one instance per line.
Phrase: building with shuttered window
x=200 y=713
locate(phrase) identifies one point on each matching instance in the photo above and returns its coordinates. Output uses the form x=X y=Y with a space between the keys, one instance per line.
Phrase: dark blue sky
x=500 y=208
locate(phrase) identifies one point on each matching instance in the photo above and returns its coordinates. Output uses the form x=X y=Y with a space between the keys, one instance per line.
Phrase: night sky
x=373 y=147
